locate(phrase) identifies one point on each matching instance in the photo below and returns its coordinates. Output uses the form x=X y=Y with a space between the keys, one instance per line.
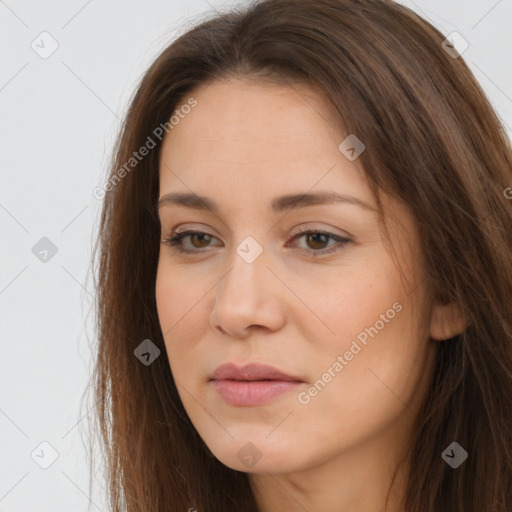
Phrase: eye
x=176 y=240
x=313 y=238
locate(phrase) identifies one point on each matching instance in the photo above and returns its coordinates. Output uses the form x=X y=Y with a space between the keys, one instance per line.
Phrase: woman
x=305 y=274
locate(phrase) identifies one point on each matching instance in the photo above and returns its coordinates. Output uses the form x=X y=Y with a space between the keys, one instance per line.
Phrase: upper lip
x=251 y=371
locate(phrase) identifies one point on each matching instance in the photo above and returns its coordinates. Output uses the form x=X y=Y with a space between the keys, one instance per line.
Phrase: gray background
x=59 y=118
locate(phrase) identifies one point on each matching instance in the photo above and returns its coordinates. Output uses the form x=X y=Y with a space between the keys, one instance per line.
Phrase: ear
x=447 y=321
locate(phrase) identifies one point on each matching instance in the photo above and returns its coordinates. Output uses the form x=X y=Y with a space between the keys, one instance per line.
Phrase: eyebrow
x=279 y=204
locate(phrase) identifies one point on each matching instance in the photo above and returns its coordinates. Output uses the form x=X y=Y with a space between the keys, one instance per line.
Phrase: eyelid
x=174 y=240
x=301 y=229
x=329 y=230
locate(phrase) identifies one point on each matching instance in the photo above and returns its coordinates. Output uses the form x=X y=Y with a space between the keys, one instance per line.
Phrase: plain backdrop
x=60 y=114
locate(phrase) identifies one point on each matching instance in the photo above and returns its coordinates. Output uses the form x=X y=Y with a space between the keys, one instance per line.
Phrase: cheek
x=354 y=301
x=165 y=296
x=181 y=315
x=176 y=299
x=377 y=335
x=384 y=365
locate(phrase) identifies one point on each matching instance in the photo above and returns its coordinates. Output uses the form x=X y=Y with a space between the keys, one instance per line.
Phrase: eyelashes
x=175 y=241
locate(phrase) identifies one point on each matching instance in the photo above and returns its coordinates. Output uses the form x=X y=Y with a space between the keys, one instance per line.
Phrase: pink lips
x=252 y=384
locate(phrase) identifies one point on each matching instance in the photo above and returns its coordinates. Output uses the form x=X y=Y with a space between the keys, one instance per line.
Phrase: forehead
x=260 y=111
x=258 y=134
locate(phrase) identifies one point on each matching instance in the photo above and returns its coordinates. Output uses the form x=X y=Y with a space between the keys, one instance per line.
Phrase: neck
x=356 y=480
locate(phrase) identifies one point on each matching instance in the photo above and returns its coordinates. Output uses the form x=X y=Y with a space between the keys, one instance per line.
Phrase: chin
x=252 y=455
x=266 y=464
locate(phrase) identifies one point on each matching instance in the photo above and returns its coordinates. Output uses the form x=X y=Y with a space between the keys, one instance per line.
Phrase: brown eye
x=317 y=241
x=200 y=238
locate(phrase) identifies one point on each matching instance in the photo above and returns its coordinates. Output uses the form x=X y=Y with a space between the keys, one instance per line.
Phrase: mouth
x=252 y=392
x=252 y=384
x=251 y=372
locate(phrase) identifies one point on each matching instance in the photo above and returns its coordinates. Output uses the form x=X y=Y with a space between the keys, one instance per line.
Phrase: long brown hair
x=432 y=140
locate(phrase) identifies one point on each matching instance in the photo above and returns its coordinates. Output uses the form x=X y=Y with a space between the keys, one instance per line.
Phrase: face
x=307 y=287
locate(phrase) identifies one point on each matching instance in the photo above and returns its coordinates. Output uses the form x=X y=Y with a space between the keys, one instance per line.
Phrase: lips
x=251 y=371
x=252 y=384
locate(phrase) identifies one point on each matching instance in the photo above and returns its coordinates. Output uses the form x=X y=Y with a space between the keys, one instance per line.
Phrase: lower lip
x=253 y=392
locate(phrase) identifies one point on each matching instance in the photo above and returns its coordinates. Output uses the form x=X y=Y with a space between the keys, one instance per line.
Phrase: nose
x=248 y=298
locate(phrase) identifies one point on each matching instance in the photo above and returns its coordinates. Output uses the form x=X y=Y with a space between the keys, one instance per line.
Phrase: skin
x=242 y=145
